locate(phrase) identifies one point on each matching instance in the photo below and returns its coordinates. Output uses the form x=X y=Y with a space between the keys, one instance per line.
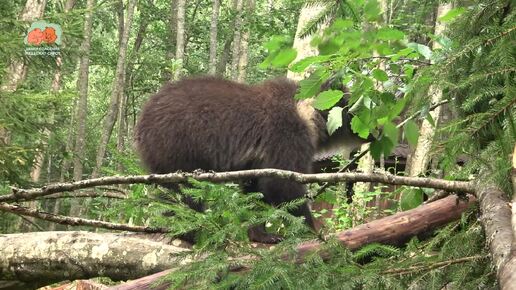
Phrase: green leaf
x=341 y=24
x=408 y=70
x=411 y=131
x=301 y=65
x=390 y=130
x=380 y=75
x=284 y=57
x=423 y=50
x=334 y=119
x=359 y=127
x=372 y=9
x=430 y=119
x=387 y=33
x=312 y=85
x=411 y=198
x=405 y=51
x=452 y=14
x=328 y=196
x=329 y=46
x=397 y=108
x=327 y=99
x=383 y=145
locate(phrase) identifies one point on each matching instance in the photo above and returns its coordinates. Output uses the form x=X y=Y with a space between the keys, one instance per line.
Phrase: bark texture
x=496 y=219
x=508 y=271
x=117 y=92
x=212 y=63
x=447 y=185
x=302 y=44
x=82 y=104
x=41 y=258
x=180 y=38
x=421 y=156
x=237 y=38
x=244 y=44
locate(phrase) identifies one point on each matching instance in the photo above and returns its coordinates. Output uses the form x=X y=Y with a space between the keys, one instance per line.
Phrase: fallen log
x=394 y=229
x=30 y=260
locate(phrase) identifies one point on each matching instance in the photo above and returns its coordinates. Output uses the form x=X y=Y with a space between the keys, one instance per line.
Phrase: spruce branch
x=442 y=264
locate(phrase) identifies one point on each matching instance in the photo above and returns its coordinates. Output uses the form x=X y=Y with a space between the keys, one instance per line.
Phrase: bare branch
x=90 y=193
x=74 y=221
x=29 y=194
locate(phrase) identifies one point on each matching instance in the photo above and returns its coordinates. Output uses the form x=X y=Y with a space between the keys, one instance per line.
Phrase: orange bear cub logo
x=49 y=35
x=42 y=32
x=36 y=36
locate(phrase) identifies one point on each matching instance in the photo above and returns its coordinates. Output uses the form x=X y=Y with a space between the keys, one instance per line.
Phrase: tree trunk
x=421 y=156
x=65 y=166
x=83 y=255
x=172 y=37
x=118 y=88
x=82 y=84
x=82 y=103
x=17 y=69
x=237 y=38
x=212 y=64
x=244 y=45
x=224 y=57
x=180 y=39
x=302 y=45
x=508 y=270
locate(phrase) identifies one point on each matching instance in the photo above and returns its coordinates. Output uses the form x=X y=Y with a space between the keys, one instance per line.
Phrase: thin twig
x=27 y=220
x=86 y=194
x=74 y=221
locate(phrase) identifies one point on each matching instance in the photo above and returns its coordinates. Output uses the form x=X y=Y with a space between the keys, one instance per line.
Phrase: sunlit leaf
x=411 y=131
x=301 y=65
x=284 y=57
x=359 y=127
x=411 y=198
x=452 y=14
x=380 y=75
x=387 y=33
x=327 y=99
x=334 y=119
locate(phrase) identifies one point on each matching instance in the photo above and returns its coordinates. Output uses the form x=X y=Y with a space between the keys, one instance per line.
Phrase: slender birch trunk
x=118 y=88
x=421 y=156
x=180 y=39
x=237 y=39
x=171 y=41
x=212 y=63
x=82 y=102
x=82 y=84
x=244 y=45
